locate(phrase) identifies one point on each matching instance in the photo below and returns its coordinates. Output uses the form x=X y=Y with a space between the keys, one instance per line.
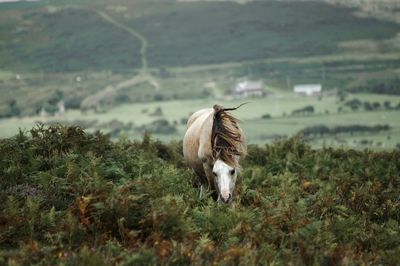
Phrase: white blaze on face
x=225 y=176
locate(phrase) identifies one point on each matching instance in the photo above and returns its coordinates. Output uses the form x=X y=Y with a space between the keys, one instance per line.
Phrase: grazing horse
x=213 y=146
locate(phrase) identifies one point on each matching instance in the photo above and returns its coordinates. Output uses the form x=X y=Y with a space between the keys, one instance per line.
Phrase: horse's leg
x=201 y=192
x=201 y=182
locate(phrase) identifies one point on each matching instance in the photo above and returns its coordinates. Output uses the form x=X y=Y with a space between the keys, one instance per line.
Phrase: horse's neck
x=205 y=148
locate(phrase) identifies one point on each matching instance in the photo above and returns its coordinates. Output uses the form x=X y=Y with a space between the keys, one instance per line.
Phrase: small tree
x=157 y=112
x=376 y=105
x=387 y=105
x=354 y=104
x=14 y=109
x=368 y=106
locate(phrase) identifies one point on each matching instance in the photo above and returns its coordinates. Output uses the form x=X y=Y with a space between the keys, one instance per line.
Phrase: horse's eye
x=232 y=171
x=214 y=173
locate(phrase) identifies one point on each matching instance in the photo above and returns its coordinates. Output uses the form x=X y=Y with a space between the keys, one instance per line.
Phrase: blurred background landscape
x=329 y=70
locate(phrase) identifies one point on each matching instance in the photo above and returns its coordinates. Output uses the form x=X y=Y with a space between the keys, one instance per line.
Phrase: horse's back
x=201 y=114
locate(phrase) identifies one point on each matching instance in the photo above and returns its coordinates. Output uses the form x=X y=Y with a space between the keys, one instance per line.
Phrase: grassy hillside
x=74 y=38
x=66 y=40
x=74 y=198
x=209 y=33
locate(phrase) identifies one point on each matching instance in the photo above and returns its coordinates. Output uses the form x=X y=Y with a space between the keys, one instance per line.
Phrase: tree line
x=389 y=86
x=323 y=130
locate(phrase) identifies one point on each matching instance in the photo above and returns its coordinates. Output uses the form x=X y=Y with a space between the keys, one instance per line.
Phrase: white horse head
x=225 y=179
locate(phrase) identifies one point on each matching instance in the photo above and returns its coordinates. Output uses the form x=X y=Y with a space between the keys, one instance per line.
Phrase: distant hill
x=35 y=37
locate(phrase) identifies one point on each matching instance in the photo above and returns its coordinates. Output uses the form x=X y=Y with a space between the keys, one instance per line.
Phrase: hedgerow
x=73 y=198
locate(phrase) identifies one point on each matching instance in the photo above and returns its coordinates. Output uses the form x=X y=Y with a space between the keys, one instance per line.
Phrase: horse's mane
x=226 y=137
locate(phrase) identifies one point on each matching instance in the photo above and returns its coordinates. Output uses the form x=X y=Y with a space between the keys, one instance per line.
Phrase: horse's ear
x=217 y=110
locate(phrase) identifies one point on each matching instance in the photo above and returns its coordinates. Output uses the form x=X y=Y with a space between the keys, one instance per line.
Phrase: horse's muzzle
x=226 y=199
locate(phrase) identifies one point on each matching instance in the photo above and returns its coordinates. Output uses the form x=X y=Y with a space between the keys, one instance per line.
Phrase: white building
x=308 y=89
x=248 y=88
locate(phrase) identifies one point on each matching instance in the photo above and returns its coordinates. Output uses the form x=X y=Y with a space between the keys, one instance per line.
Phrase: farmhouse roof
x=304 y=88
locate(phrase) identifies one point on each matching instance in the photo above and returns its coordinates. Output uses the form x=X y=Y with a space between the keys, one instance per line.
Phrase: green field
x=258 y=130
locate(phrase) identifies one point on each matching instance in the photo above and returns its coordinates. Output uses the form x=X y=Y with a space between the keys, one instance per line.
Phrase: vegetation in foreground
x=74 y=51
x=71 y=198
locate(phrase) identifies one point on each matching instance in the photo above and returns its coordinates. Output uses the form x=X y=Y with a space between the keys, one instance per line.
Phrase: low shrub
x=70 y=197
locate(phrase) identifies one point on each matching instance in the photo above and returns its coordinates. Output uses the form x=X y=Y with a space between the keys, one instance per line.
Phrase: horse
x=214 y=145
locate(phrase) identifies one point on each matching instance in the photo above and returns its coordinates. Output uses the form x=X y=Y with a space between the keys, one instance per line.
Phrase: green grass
x=291 y=125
